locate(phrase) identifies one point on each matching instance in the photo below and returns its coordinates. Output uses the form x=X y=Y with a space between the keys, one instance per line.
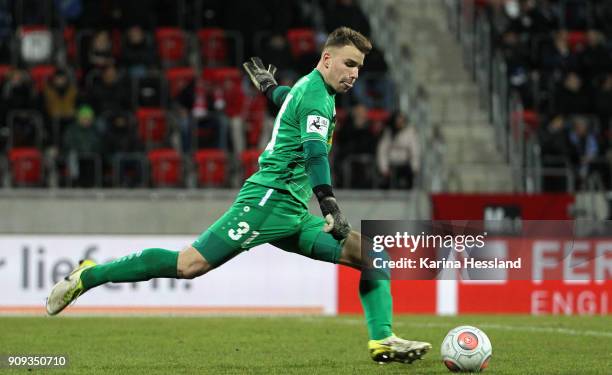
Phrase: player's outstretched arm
x=317 y=167
x=263 y=79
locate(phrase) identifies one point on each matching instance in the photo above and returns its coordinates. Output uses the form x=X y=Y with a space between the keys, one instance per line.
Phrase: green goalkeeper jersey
x=307 y=113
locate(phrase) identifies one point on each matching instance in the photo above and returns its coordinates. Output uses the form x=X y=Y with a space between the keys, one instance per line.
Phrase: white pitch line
x=505 y=327
x=565 y=331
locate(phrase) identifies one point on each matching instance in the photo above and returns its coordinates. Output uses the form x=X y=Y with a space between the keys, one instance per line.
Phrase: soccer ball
x=466 y=348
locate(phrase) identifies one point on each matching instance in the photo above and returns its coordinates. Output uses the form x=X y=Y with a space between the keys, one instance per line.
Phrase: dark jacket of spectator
x=110 y=93
x=572 y=97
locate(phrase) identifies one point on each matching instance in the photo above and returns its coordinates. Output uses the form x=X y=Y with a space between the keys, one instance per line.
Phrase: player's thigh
x=311 y=241
x=256 y=217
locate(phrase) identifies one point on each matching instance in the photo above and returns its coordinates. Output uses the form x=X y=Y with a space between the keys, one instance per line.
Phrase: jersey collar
x=329 y=89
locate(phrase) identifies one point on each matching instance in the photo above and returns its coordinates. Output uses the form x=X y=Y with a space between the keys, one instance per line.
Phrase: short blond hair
x=345 y=36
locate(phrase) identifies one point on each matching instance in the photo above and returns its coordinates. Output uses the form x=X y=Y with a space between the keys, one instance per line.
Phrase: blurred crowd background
x=130 y=94
x=150 y=93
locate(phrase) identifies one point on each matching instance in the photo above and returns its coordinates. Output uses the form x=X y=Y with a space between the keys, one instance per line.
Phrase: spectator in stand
x=603 y=109
x=583 y=149
x=347 y=13
x=355 y=157
x=595 y=59
x=60 y=96
x=276 y=50
x=556 y=57
x=398 y=153
x=534 y=18
x=120 y=139
x=138 y=54
x=17 y=92
x=202 y=122
x=110 y=93
x=555 y=151
x=375 y=89
x=516 y=54
x=83 y=147
x=100 y=52
x=572 y=97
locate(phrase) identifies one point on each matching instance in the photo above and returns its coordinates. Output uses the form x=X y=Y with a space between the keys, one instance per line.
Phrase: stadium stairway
x=472 y=160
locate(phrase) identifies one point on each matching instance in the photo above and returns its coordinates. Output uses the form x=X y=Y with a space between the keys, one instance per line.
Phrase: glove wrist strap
x=327 y=202
x=269 y=91
x=323 y=191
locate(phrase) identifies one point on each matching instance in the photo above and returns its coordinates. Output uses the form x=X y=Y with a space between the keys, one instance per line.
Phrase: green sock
x=378 y=306
x=141 y=266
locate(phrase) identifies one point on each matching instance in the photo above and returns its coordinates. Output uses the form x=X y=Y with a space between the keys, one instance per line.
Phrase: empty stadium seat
x=211 y=167
x=178 y=78
x=301 y=41
x=213 y=46
x=166 y=167
x=26 y=166
x=249 y=159
x=152 y=125
x=171 y=45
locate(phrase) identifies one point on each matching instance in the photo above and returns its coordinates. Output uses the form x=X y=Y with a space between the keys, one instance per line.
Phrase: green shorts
x=264 y=215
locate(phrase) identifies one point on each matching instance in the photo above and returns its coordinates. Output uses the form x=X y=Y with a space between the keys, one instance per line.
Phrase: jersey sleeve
x=315 y=121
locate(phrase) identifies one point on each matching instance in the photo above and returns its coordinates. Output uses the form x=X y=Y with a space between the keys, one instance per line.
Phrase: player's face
x=344 y=65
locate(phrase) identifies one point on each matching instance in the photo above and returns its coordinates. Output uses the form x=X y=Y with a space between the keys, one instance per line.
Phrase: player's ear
x=326 y=59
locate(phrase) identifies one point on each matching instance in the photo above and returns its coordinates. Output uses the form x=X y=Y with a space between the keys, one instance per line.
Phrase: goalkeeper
x=272 y=206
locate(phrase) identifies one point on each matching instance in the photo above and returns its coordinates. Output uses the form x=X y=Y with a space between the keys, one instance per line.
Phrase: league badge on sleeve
x=317 y=124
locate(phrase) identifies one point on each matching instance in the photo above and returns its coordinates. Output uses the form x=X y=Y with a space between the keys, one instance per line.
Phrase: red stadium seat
x=213 y=46
x=254 y=116
x=211 y=167
x=531 y=121
x=4 y=70
x=249 y=159
x=576 y=40
x=219 y=76
x=378 y=115
x=228 y=79
x=152 y=124
x=40 y=75
x=166 y=167
x=301 y=41
x=178 y=78
x=70 y=41
x=26 y=166
x=171 y=45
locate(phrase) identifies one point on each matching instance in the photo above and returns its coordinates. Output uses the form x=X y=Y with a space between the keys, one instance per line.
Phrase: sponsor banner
x=528 y=297
x=409 y=296
x=502 y=206
x=263 y=280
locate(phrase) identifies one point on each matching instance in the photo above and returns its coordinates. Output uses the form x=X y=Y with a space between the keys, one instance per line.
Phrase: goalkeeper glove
x=261 y=77
x=335 y=222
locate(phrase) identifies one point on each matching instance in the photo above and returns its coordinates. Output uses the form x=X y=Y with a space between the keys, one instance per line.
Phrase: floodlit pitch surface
x=298 y=345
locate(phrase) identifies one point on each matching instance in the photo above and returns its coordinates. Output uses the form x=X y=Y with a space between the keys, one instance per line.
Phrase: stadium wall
x=43 y=235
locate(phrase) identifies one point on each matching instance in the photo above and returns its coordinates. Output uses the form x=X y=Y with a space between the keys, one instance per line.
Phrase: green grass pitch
x=298 y=345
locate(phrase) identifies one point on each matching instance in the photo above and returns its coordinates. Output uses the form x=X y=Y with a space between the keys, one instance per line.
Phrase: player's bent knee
x=191 y=264
x=351 y=251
